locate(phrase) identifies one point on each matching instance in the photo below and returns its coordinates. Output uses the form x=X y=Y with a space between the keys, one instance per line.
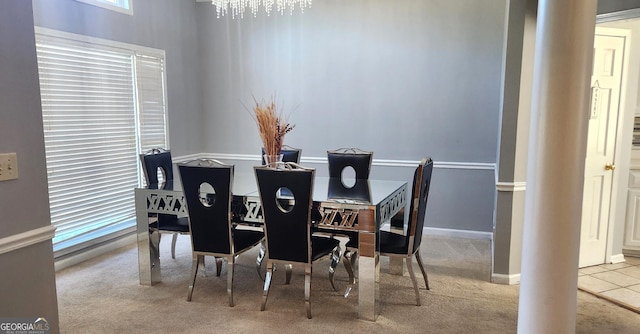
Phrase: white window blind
x=151 y=102
x=91 y=104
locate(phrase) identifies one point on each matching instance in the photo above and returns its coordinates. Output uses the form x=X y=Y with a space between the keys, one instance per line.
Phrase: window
x=122 y=6
x=102 y=104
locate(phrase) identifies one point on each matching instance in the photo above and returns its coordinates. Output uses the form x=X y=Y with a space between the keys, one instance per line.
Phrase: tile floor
x=618 y=282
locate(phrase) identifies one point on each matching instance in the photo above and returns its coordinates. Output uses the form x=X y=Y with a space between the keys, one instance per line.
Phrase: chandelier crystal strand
x=268 y=6
x=237 y=7
x=255 y=6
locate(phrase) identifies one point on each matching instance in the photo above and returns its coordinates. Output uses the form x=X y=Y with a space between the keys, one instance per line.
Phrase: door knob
x=609 y=167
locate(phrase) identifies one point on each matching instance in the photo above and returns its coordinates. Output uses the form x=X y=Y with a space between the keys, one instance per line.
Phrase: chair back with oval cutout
x=287 y=218
x=339 y=161
x=154 y=162
x=207 y=191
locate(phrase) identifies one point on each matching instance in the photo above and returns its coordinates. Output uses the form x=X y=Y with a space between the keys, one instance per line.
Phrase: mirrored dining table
x=377 y=204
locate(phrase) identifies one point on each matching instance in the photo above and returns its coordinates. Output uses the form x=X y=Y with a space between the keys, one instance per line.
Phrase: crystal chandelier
x=238 y=6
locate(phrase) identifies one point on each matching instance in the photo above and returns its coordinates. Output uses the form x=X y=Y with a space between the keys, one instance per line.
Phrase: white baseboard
x=505 y=279
x=94 y=252
x=447 y=232
x=631 y=252
x=618 y=258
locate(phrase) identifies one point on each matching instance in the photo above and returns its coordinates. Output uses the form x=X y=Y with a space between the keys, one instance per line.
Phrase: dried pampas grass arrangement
x=271 y=125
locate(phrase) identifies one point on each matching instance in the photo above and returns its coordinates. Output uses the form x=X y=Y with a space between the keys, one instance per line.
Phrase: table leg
x=148 y=245
x=368 y=276
x=396 y=264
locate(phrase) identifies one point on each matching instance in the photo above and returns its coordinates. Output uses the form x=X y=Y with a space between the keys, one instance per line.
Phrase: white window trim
x=106 y=5
x=112 y=231
x=95 y=40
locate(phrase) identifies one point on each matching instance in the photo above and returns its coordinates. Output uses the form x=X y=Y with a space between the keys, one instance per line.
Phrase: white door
x=599 y=165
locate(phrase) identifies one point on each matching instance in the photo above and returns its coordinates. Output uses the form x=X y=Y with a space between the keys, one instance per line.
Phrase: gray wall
x=27 y=281
x=401 y=78
x=163 y=24
x=404 y=79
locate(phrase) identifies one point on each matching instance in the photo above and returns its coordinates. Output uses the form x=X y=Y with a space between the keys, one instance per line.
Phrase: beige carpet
x=103 y=296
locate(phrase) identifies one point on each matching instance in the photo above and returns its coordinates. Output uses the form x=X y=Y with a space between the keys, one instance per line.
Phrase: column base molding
x=618 y=258
x=505 y=279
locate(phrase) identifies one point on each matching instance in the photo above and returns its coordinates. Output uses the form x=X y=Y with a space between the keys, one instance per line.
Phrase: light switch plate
x=8 y=166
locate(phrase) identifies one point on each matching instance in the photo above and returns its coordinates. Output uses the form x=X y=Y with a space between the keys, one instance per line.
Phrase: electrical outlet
x=8 y=166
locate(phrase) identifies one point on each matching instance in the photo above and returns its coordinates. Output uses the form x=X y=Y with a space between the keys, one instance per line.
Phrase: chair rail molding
x=616 y=16
x=323 y=160
x=511 y=186
x=27 y=238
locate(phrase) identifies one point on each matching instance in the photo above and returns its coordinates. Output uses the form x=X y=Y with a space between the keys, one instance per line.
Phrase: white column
x=555 y=171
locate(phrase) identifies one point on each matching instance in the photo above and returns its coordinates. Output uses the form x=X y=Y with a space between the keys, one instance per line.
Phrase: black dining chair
x=207 y=188
x=355 y=158
x=289 y=154
x=339 y=161
x=287 y=223
x=158 y=172
x=408 y=246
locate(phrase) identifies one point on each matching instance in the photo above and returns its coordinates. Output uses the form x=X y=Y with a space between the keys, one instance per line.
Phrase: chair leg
x=413 y=278
x=354 y=259
x=267 y=284
x=307 y=289
x=421 y=265
x=350 y=256
x=335 y=259
x=218 y=266
x=194 y=271
x=173 y=245
x=230 y=267
x=261 y=254
x=348 y=260
x=288 y=268
x=203 y=269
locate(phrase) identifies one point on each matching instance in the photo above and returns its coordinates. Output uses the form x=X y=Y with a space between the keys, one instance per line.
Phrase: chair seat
x=352 y=235
x=321 y=246
x=172 y=224
x=393 y=243
x=244 y=239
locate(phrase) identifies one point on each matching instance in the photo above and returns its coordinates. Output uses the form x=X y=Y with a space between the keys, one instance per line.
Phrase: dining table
x=377 y=204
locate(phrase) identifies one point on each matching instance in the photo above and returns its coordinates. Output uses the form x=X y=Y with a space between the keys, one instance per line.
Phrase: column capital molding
x=511 y=186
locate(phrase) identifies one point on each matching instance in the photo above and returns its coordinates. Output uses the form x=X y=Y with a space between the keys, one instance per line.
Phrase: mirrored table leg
x=396 y=264
x=148 y=246
x=148 y=256
x=398 y=222
x=368 y=276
